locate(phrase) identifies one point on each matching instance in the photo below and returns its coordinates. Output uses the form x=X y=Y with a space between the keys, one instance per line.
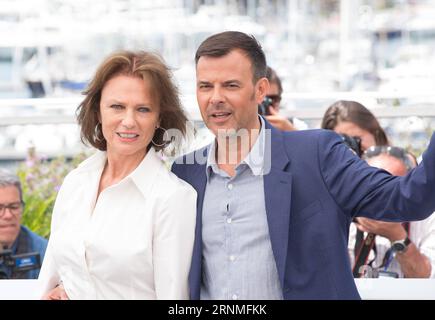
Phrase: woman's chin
x=126 y=151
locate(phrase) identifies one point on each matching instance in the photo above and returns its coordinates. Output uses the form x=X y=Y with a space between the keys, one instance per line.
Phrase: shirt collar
x=254 y=160
x=146 y=173
x=143 y=176
x=211 y=160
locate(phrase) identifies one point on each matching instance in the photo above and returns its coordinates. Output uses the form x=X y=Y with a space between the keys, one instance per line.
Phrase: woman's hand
x=57 y=293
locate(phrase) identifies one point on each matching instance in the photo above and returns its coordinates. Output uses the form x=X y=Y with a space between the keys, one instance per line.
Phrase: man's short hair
x=221 y=44
x=8 y=179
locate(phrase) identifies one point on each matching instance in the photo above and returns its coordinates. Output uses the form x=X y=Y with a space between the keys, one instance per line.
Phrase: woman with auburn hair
x=355 y=120
x=417 y=237
x=123 y=225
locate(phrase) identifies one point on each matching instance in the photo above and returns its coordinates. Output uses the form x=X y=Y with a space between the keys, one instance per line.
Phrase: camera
x=18 y=263
x=369 y=272
x=263 y=107
x=354 y=143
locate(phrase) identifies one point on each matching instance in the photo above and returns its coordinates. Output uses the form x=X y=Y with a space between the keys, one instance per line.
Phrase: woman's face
x=351 y=129
x=128 y=115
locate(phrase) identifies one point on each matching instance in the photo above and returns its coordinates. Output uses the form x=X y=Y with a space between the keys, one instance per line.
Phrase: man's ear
x=261 y=88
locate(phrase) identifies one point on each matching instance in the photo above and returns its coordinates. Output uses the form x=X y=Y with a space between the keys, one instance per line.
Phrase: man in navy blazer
x=309 y=192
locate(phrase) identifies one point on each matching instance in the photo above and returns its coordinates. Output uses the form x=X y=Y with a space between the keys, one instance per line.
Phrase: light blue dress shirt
x=238 y=261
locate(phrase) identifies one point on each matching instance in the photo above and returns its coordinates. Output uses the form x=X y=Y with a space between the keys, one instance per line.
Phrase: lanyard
x=363 y=255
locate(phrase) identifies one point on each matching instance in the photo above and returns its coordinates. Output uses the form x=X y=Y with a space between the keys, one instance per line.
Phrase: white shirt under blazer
x=135 y=242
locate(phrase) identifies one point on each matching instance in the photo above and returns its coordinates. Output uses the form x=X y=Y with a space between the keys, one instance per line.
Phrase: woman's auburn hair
x=355 y=112
x=164 y=93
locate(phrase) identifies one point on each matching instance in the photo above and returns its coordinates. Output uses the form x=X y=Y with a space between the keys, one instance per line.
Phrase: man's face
x=10 y=216
x=226 y=95
x=394 y=166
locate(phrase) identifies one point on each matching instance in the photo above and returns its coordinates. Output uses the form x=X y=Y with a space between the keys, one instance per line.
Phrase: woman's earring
x=99 y=133
x=164 y=142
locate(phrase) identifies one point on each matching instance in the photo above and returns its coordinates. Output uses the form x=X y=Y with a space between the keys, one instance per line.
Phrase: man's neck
x=6 y=246
x=231 y=150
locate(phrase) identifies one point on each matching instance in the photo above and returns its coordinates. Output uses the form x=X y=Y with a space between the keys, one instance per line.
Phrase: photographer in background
x=402 y=249
x=17 y=242
x=271 y=103
x=370 y=240
x=354 y=120
x=359 y=130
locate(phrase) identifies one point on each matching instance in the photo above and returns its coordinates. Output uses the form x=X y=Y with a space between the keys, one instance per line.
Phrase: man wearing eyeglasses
x=13 y=236
x=402 y=249
x=273 y=98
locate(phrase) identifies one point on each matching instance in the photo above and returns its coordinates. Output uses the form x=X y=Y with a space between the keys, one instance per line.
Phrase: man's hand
x=279 y=121
x=57 y=293
x=391 y=230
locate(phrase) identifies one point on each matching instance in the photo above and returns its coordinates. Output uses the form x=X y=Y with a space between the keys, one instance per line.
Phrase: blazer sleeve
x=362 y=190
x=173 y=238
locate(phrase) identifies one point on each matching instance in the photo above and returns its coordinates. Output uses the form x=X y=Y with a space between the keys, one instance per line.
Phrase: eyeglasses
x=15 y=208
x=396 y=152
x=276 y=98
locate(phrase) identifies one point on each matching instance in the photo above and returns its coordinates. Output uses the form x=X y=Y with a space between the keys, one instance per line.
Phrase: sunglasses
x=396 y=152
x=276 y=98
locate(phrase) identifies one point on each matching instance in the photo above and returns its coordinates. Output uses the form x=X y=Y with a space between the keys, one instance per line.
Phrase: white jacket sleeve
x=48 y=276
x=174 y=233
x=423 y=235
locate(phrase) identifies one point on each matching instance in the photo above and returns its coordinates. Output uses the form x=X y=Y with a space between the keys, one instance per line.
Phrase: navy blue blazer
x=315 y=187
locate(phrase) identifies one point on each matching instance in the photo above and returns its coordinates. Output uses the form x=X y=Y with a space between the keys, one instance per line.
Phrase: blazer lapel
x=199 y=181
x=277 y=192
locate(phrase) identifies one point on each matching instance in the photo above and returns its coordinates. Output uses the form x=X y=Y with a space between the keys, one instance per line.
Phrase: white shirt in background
x=421 y=233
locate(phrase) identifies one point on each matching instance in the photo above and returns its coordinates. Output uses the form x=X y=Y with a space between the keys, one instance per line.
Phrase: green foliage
x=41 y=180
